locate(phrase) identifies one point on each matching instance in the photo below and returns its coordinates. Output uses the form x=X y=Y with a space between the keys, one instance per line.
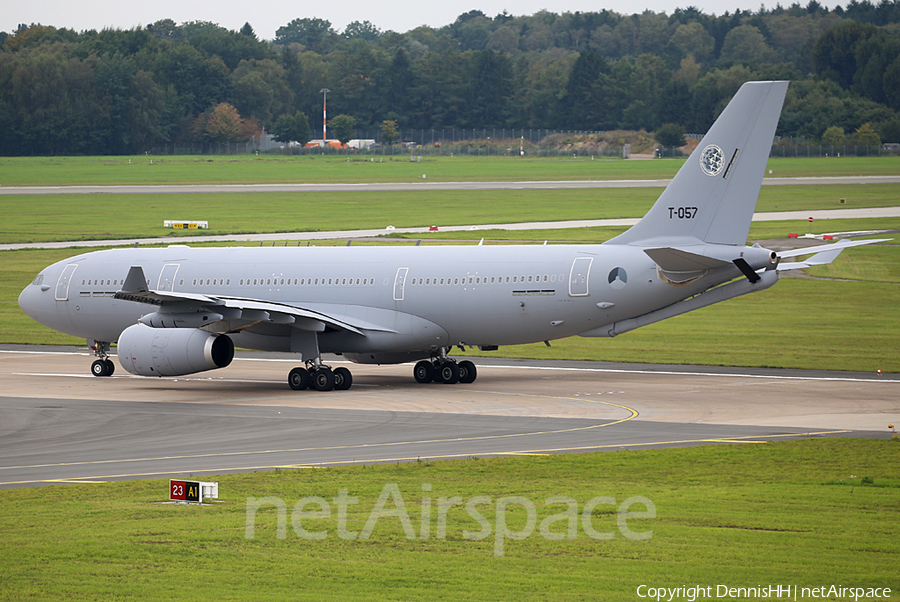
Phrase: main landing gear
x=319 y=377
x=444 y=370
x=102 y=366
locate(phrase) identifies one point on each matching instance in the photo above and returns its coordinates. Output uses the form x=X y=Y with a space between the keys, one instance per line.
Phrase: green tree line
x=125 y=91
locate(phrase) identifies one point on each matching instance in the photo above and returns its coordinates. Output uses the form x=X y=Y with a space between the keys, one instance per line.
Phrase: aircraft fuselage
x=474 y=295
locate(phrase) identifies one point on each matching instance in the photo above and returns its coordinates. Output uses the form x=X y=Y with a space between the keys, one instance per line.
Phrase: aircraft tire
x=298 y=379
x=424 y=372
x=343 y=379
x=99 y=368
x=449 y=373
x=322 y=379
x=110 y=367
x=467 y=372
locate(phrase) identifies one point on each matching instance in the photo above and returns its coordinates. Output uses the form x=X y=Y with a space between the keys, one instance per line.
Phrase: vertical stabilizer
x=713 y=195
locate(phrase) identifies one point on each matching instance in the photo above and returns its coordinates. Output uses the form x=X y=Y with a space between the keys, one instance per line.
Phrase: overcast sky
x=268 y=15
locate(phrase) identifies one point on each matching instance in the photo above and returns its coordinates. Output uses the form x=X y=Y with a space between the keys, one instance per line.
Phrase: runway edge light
x=192 y=491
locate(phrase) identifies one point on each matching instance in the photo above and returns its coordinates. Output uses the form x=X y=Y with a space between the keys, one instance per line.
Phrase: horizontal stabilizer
x=821 y=254
x=842 y=244
x=676 y=260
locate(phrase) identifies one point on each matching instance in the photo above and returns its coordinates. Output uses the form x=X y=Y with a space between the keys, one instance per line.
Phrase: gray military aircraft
x=181 y=310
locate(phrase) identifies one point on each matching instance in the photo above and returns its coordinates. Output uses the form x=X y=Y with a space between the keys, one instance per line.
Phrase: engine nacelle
x=172 y=351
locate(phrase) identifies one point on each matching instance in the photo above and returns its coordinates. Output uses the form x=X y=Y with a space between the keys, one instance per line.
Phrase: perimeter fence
x=498 y=142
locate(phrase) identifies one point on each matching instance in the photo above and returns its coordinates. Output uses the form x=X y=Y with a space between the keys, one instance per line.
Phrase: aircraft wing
x=821 y=254
x=238 y=312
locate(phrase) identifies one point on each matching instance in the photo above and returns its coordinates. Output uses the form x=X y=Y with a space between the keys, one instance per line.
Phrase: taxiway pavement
x=60 y=424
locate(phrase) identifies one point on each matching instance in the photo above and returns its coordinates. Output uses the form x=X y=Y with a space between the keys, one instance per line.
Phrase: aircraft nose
x=34 y=297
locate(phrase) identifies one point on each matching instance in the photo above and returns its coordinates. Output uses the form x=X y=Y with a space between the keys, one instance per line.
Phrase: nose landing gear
x=102 y=366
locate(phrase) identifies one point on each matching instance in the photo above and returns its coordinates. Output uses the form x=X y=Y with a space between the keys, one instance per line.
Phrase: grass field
x=812 y=513
x=231 y=169
x=114 y=216
x=775 y=328
x=118 y=216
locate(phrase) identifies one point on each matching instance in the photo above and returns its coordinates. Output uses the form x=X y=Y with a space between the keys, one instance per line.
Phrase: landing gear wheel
x=322 y=379
x=298 y=379
x=423 y=372
x=110 y=367
x=102 y=368
x=448 y=372
x=467 y=372
x=342 y=379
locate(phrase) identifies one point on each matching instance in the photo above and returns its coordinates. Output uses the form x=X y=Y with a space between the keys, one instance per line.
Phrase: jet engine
x=172 y=351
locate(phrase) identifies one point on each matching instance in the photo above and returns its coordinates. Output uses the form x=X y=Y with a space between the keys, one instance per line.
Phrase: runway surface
x=58 y=424
x=425 y=186
x=801 y=216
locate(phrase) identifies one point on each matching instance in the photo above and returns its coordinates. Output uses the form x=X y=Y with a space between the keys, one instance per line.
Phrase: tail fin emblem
x=712 y=160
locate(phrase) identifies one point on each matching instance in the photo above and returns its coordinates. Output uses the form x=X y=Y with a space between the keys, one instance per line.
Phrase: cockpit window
x=38 y=280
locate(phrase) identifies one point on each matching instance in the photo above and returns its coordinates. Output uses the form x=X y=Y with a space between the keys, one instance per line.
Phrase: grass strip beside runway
x=274 y=169
x=68 y=217
x=810 y=513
